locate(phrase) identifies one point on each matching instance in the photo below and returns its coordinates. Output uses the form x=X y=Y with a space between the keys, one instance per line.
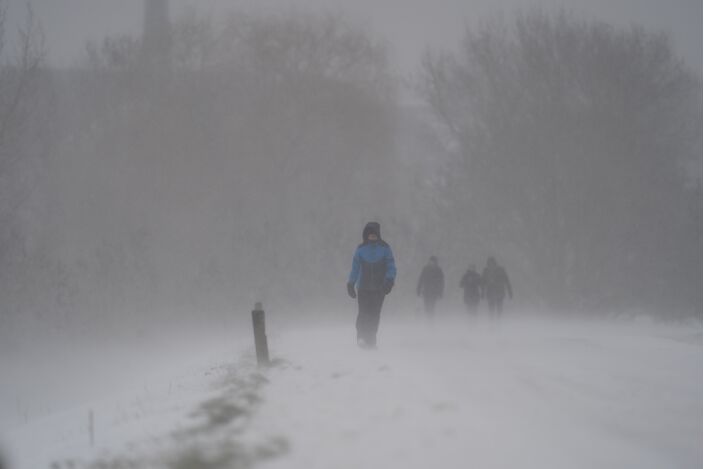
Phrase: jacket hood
x=369 y=228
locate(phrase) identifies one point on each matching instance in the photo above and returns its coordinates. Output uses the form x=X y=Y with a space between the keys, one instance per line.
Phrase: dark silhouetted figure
x=472 y=284
x=373 y=273
x=495 y=285
x=431 y=285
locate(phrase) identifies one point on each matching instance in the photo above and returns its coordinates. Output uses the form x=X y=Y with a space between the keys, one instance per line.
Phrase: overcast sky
x=408 y=25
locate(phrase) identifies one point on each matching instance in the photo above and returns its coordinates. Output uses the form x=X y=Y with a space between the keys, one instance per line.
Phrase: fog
x=165 y=165
x=408 y=27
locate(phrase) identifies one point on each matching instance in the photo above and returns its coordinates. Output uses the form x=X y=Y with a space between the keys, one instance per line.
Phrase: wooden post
x=260 y=335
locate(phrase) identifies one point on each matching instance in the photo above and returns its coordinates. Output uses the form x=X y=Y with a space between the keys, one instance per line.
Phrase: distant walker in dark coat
x=431 y=285
x=472 y=284
x=495 y=285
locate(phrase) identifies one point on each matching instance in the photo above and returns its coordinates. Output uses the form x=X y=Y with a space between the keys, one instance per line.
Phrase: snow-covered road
x=532 y=393
x=516 y=394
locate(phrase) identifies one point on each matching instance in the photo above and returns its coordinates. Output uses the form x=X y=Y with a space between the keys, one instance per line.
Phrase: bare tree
x=25 y=135
x=19 y=81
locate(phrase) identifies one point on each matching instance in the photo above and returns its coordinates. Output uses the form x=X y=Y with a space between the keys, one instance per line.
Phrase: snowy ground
x=531 y=393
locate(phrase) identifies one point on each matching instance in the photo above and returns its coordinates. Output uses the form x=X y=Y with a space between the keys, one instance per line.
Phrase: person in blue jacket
x=373 y=273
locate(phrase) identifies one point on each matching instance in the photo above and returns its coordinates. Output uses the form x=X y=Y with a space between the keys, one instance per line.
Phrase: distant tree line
x=244 y=167
x=228 y=175
x=579 y=157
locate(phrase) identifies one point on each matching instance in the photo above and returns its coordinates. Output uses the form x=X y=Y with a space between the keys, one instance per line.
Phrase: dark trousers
x=472 y=303
x=496 y=305
x=370 y=302
x=429 y=303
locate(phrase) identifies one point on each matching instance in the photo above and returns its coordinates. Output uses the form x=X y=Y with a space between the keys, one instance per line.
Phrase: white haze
x=152 y=189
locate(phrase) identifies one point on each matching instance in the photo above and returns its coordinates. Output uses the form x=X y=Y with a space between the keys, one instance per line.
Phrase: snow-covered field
x=520 y=393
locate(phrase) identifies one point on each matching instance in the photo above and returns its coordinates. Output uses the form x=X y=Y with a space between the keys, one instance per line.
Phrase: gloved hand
x=350 y=290
x=388 y=285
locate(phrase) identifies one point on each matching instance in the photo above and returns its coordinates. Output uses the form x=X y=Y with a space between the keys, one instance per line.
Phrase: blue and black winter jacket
x=373 y=264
